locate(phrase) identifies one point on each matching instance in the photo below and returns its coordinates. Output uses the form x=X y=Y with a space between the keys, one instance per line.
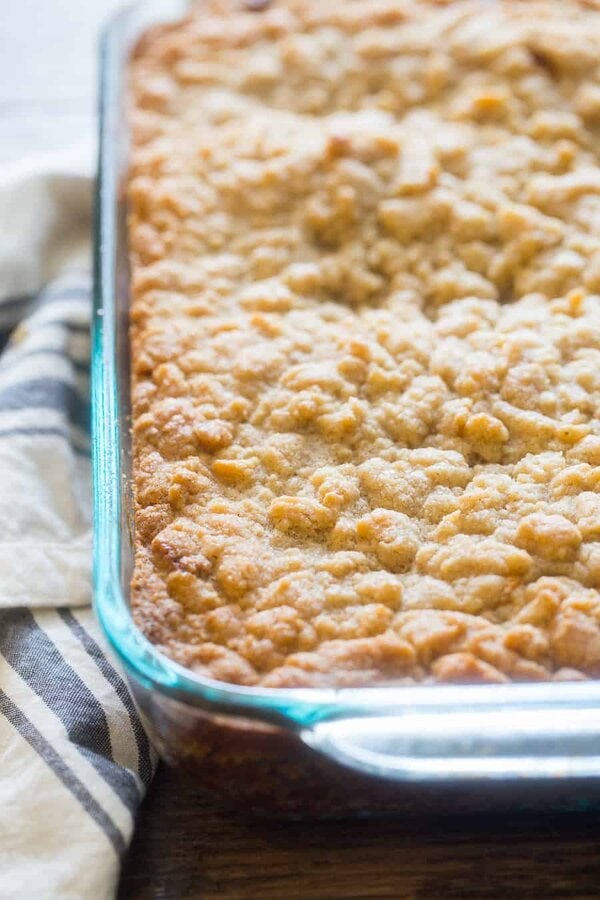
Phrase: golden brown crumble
x=365 y=242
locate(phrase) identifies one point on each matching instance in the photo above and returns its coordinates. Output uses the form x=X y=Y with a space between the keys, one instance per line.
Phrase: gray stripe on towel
x=112 y=676
x=31 y=653
x=38 y=742
x=46 y=393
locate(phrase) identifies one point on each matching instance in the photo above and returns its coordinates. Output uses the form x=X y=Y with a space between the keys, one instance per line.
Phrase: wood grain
x=187 y=846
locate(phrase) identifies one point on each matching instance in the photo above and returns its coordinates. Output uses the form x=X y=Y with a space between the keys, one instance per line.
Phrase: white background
x=48 y=70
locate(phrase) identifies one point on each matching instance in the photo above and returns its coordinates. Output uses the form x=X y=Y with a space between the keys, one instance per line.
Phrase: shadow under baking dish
x=310 y=751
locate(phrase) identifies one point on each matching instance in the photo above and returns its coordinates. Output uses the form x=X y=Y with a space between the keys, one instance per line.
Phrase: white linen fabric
x=74 y=758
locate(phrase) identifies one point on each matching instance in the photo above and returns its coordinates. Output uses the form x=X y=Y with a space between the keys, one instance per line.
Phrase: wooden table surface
x=187 y=846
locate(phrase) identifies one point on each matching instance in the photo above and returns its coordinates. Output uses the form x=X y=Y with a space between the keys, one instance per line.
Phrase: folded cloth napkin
x=74 y=759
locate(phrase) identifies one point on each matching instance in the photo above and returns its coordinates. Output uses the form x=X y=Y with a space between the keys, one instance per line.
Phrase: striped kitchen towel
x=75 y=761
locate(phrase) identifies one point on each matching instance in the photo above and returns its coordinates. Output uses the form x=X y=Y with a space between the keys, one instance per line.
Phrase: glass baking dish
x=396 y=749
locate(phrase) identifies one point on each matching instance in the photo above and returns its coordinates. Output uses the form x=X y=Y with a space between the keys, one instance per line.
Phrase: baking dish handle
x=437 y=745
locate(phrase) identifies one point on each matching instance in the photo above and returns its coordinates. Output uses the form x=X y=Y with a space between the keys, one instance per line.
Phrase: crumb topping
x=365 y=243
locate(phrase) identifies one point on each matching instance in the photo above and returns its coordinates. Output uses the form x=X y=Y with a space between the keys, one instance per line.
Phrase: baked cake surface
x=365 y=324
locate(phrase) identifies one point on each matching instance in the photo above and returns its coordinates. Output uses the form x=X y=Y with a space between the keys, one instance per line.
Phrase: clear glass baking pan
x=311 y=751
